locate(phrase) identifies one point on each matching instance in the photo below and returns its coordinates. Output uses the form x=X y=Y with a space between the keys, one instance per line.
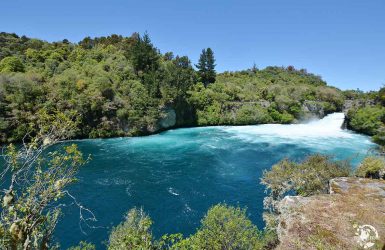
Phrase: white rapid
x=184 y=171
x=329 y=126
x=323 y=134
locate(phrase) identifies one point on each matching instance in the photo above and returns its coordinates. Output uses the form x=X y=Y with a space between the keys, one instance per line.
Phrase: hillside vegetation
x=367 y=115
x=271 y=95
x=124 y=86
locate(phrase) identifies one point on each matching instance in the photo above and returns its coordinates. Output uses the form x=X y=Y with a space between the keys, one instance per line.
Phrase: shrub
x=278 y=117
x=371 y=167
x=35 y=183
x=225 y=227
x=381 y=95
x=133 y=233
x=367 y=120
x=306 y=178
x=251 y=114
x=11 y=64
x=83 y=246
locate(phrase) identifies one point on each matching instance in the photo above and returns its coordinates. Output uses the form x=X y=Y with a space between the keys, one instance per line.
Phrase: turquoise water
x=177 y=175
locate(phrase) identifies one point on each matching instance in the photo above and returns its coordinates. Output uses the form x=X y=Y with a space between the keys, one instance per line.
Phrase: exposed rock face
x=352 y=216
x=313 y=109
x=351 y=104
x=264 y=103
x=168 y=119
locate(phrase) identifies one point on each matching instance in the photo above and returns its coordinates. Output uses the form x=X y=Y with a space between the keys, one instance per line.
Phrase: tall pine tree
x=146 y=61
x=144 y=55
x=210 y=66
x=206 y=67
x=201 y=66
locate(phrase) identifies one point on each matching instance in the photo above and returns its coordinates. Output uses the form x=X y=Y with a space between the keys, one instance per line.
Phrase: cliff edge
x=352 y=216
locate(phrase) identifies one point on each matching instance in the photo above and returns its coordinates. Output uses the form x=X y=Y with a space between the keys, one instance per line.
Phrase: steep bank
x=367 y=116
x=272 y=95
x=352 y=216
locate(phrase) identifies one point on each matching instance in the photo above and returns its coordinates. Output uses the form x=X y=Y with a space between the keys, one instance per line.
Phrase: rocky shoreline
x=352 y=216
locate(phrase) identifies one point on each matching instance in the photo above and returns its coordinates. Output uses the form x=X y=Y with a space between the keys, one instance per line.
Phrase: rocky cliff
x=358 y=103
x=352 y=216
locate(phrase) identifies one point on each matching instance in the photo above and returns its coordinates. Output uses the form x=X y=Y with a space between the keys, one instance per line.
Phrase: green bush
x=226 y=227
x=307 y=178
x=367 y=120
x=11 y=64
x=379 y=137
x=251 y=114
x=381 y=95
x=223 y=227
x=278 y=117
x=371 y=167
x=83 y=246
x=329 y=107
x=133 y=233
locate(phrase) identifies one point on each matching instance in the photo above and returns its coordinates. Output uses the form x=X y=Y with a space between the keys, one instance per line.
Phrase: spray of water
x=329 y=126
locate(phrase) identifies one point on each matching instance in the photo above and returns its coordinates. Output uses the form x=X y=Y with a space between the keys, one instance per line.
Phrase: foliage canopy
x=123 y=86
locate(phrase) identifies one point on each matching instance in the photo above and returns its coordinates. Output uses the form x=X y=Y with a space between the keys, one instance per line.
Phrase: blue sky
x=341 y=40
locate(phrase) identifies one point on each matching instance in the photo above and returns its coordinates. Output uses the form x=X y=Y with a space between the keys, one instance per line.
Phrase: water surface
x=177 y=175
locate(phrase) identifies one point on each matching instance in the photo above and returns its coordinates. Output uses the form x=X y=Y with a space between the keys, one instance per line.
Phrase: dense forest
x=124 y=86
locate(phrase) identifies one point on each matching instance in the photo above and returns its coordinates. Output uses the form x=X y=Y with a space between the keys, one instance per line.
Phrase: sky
x=341 y=40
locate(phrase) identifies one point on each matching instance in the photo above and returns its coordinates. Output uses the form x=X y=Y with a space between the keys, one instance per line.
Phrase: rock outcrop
x=353 y=104
x=352 y=216
x=312 y=109
x=168 y=119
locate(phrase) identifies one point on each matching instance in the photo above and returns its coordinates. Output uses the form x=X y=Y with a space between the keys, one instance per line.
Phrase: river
x=177 y=175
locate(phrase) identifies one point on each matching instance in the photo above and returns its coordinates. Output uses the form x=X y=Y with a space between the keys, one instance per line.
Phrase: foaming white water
x=329 y=126
x=172 y=191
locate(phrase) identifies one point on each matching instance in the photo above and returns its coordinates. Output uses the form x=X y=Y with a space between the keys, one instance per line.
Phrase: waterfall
x=329 y=126
x=333 y=121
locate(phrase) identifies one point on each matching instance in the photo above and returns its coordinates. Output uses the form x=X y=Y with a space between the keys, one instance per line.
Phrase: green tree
x=144 y=55
x=11 y=64
x=202 y=67
x=178 y=78
x=83 y=246
x=210 y=74
x=206 y=67
x=87 y=43
x=381 y=96
x=133 y=233
x=37 y=182
x=225 y=227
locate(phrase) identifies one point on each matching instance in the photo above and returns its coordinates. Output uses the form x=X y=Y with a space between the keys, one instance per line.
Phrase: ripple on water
x=177 y=175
